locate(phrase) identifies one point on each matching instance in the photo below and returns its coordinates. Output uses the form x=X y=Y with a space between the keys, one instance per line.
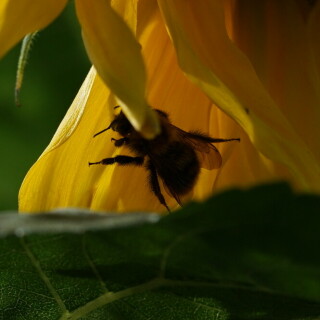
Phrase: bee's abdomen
x=178 y=167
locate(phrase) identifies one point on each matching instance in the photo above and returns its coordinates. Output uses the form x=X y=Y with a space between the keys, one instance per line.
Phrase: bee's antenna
x=91 y=163
x=102 y=131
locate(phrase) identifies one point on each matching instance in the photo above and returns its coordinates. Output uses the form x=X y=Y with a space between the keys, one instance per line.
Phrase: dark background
x=56 y=67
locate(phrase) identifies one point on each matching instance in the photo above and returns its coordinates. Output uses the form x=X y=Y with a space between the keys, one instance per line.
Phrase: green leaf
x=241 y=255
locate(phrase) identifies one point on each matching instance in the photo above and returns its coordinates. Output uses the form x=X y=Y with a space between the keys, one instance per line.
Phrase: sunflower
x=247 y=69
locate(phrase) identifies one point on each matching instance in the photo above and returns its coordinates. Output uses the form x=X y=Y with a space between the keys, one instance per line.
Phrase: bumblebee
x=175 y=156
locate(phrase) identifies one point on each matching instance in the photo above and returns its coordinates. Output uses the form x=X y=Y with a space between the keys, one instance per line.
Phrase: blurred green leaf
x=241 y=255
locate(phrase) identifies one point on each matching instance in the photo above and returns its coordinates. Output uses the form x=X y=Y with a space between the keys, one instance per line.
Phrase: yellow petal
x=62 y=178
x=207 y=55
x=20 y=17
x=275 y=38
x=127 y=9
x=116 y=55
x=72 y=118
x=190 y=109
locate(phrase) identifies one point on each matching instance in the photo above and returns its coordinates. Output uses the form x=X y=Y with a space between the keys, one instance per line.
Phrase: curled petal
x=274 y=36
x=62 y=178
x=128 y=12
x=224 y=73
x=191 y=109
x=66 y=158
x=74 y=114
x=20 y=17
x=117 y=57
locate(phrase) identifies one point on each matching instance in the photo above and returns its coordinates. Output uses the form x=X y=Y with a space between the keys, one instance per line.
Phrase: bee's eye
x=122 y=126
x=125 y=128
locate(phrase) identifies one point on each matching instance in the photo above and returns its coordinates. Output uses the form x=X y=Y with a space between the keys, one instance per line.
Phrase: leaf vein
x=43 y=276
x=92 y=265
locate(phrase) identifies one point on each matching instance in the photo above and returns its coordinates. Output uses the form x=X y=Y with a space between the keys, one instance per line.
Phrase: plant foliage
x=241 y=255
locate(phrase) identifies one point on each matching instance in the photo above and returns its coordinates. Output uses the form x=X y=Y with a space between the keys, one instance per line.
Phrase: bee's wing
x=172 y=193
x=207 y=153
x=210 y=160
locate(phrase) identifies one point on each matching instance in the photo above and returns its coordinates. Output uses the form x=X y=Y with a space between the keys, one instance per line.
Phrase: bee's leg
x=119 y=142
x=154 y=183
x=204 y=138
x=121 y=160
x=216 y=140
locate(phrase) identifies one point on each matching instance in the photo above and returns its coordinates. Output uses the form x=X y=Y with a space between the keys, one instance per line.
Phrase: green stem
x=24 y=53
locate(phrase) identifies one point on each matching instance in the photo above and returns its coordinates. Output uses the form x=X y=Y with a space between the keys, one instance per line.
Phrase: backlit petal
x=72 y=118
x=62 y=178
x=274 y=36
x=116 y=55
x=20 y=17
x=211 y=60
x=238 y=75
x=190 y=109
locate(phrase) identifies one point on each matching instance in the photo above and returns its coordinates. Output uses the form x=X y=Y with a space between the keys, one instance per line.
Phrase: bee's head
x=121 y=125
